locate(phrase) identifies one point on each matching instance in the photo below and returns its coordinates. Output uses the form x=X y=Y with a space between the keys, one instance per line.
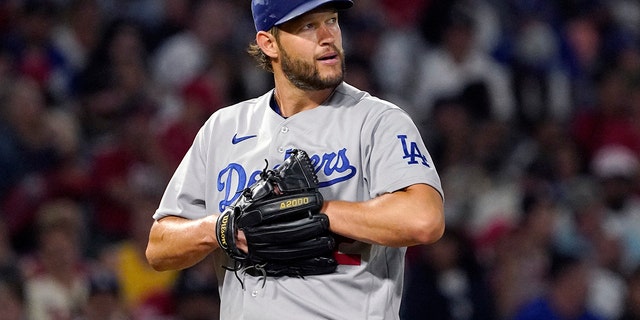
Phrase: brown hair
x=264 y=61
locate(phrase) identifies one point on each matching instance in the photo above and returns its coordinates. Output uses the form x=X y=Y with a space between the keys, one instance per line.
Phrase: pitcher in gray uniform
x=381 y=188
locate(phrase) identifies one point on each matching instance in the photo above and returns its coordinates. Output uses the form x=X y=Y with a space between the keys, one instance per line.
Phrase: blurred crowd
x=530 y=109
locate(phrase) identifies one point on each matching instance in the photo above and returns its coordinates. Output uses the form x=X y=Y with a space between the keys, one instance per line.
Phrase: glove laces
x=238 y=267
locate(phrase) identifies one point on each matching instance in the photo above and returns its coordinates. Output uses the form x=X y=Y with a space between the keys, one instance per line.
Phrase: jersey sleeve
x=184 y=195
x=397 y=156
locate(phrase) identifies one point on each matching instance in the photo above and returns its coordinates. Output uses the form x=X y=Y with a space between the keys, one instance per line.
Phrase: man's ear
x=267 y=43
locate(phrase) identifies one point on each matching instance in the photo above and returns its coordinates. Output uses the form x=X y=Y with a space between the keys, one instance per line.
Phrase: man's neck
x=292 y=100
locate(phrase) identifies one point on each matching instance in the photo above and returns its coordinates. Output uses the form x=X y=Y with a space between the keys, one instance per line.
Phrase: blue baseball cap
x=270 y=13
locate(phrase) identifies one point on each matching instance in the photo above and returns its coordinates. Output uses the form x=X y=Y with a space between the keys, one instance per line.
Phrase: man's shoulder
x=347 y=91
x=350 y=95
x=245 y=105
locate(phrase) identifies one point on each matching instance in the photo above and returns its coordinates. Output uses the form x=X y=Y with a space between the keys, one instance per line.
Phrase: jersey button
x=281 y=150
x=284 y=130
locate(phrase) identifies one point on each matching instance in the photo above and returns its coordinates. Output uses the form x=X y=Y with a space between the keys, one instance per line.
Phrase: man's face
x=311 y=54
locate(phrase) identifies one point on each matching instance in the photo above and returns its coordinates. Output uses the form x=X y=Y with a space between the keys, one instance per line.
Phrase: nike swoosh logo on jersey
x=236 y=139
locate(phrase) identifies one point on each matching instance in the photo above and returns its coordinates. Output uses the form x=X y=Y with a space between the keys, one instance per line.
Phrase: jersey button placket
x=283 y=130
x=258 y=290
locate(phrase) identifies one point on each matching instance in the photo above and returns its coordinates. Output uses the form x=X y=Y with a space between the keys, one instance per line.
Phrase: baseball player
x=380 y=187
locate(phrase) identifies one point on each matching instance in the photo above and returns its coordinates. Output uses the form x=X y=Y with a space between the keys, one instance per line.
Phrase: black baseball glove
x=280 y=216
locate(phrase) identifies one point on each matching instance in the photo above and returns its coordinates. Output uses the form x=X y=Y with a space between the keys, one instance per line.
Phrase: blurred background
x=530 y=109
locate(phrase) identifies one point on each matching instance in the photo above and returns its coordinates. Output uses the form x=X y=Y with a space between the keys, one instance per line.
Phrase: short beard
x=305 y=75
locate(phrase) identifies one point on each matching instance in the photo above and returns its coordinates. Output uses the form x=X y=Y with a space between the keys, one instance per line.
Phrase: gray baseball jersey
x=361 y=147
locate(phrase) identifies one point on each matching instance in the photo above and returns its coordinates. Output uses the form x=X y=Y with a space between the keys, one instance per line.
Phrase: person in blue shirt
x=566 y=297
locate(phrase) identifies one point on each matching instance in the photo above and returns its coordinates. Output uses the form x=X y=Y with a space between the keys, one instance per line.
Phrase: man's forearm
x=403 y=218
x=178 y=243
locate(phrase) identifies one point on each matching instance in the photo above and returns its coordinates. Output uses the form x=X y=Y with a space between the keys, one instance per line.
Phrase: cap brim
x=308 y=6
